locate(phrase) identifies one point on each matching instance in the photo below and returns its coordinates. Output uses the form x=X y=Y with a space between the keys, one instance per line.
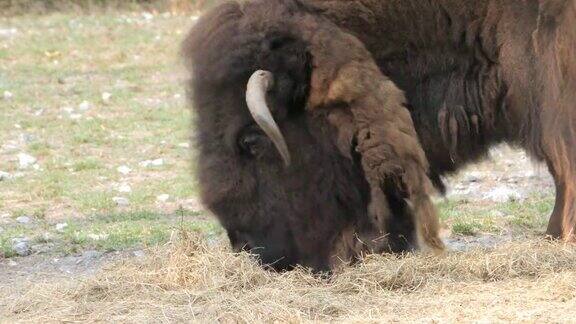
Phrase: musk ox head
x=272 y=172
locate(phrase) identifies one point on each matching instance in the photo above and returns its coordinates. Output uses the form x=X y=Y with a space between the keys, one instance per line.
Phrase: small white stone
x=149 y=163
x=158 y=162
x=68 y=110
x=497 y=213
x=503 y=194
x=12 y=263
x=121 y=201
x=8 y=32
x=147 y=16
x=106 y=97
x=25 y=160
x=97 y=237
x=5 y=176
x=7 y=95
x=84 y=105
x=23 y=219
x=61 y=226
x=124 y=169
x=139 y=253
x=163 y=197
x=184 y=145
x=17 y=126
x=124 y=188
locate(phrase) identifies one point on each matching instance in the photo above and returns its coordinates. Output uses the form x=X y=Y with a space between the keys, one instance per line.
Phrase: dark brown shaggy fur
x=474 y=73
x=359 y=186
x=477 y=73
x=362 y=102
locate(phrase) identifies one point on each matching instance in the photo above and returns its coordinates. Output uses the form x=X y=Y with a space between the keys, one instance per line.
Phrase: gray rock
x=473 y=177
x=139 y=253
x=121 y=201
x=27 y=138
x=23 y=219
x=91 y=255
x=21 y=245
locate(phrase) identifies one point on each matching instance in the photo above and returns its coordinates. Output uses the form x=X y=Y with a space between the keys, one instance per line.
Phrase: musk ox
x=320 y=122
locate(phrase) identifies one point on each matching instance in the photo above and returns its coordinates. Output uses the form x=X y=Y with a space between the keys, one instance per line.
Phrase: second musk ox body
x=320 y=123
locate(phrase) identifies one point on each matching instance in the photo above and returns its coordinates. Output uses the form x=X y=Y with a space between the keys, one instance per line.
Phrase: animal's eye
x=253 y=143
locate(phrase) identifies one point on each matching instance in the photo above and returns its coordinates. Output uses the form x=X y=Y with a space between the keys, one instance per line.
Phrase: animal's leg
x=554 y=41
x=562 y=223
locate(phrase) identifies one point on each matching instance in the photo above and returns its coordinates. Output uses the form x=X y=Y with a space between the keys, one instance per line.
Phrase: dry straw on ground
x=191 y=281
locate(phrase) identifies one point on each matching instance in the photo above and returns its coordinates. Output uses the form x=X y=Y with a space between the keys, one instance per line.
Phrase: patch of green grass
x=465 y=228
x=39 y=148
x=87 y=164
x=10 y=234
x=532 y=214
x=58 y=61
x=466 y=218
x=108 y=232
x=93 y=201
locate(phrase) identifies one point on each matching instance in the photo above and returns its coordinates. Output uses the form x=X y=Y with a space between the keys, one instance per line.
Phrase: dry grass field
x=99 y=218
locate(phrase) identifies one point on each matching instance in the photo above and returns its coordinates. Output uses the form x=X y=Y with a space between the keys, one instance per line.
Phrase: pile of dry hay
x=189 y=281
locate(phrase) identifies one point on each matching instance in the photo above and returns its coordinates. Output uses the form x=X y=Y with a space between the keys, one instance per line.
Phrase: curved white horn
x=258 y=84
